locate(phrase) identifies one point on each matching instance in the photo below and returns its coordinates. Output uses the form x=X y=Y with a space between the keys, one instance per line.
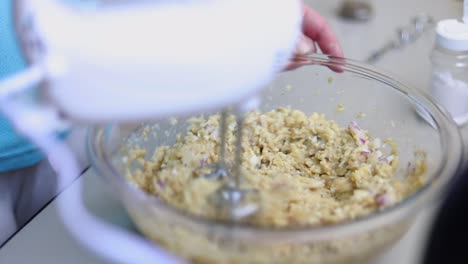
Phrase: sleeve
x=15 y=151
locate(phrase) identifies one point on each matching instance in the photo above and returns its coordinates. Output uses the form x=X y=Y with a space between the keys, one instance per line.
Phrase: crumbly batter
x=308 y=170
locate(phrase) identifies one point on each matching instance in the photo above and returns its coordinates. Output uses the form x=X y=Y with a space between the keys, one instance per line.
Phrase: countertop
x=44 y=239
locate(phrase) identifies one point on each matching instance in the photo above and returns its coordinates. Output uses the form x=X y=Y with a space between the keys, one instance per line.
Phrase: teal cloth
x=15 y=151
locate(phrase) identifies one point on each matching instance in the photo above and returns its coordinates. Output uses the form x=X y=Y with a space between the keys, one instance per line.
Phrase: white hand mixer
x=119 y=61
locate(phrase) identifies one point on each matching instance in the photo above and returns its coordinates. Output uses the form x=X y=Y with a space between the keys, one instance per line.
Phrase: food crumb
x=361 y=115
x=288 y=87
x=173 y=121
x=330 y=79
x=145 y=132
x=340 y=108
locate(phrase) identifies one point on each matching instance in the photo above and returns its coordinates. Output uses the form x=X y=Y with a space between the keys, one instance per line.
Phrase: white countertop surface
x=44 y=239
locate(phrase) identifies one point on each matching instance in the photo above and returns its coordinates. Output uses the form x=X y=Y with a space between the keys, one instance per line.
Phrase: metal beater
x=233 y=202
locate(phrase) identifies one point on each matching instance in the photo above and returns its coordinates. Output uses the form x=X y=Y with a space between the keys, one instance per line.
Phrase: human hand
x=316 y=31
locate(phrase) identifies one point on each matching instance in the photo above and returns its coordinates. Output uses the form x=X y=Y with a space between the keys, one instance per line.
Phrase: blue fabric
x=15 y=151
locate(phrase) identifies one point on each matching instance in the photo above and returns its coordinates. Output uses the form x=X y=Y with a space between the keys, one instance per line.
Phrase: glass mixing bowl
x=391 y=110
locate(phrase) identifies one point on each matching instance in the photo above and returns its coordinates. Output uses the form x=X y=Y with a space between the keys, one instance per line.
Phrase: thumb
x=305 y=45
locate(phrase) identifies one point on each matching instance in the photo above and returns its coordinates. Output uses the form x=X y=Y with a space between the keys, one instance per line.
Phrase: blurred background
x=361 y=38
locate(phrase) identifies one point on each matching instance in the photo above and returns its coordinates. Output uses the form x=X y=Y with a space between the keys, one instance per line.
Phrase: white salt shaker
x=449 y=78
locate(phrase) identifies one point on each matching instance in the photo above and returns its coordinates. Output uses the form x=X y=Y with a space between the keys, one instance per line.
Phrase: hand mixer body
x=150 y=59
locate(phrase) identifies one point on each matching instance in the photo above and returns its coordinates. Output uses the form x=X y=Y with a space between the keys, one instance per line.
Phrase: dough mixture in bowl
x=307 y=169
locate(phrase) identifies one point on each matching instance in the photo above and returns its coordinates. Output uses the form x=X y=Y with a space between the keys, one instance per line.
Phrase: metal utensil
x=219 y=168
x=404 y=36
x=356 y=10
x=232 y=202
